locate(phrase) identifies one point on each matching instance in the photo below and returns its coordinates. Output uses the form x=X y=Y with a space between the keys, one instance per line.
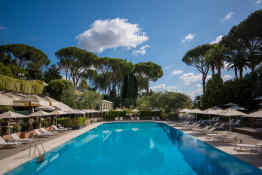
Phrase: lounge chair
x=116 y=118
x=158 y=118
x=39 y=134
x=120 y=118
x=43 y=130
x=248 y=147
x=153 y=118
x=8 y=144
x=59 y=129
x=138 y=118
x=18 y=139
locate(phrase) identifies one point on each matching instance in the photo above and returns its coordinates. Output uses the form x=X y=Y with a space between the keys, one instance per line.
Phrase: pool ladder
x=38 y=150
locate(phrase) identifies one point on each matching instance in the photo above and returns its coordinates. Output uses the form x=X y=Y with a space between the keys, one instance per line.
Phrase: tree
x=213 y=95
x=246 y=38
x=89 y=100
x=5 y=70
x=83 y=85
x=166 y=101
x=215 y=57
x=59 y=89
x=146 y=72
x=197 y=57
x=75 y=61
x=52 y=73
x=129 y=90
x=26 y=57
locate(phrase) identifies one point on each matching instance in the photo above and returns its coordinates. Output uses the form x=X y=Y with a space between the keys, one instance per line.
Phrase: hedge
x=74 y=123
x=22 y=86
x=147 y=115
x=112 y=114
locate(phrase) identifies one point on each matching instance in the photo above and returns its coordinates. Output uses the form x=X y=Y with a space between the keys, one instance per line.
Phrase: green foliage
x=129 y=90
x=6 y=108
x=59 y=89
x=145 y=72
x=166 y=101
x=52 y=73
x=76 y=62
x=213 y=96
x=88 y=100
x=75 y=123
x=84 y=86
x=147 y=114
x=197 y=57
x=23 y=86
x=112 y=114
x=26 y=57
x=5 y=70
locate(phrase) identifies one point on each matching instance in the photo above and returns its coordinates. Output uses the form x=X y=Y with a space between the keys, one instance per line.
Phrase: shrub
x=22 y=86
x=147 y=115
x=112 y=114
x=74 y=123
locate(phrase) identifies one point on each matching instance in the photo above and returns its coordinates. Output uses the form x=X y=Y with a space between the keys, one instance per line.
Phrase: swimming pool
x=136 y=149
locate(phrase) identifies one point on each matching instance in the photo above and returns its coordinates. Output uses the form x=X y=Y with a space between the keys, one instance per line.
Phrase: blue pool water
x=136 y=149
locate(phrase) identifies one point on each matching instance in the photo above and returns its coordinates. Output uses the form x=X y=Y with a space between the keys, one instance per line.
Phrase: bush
x=112 y=114
x=147 y=115
x=75 y=123
x=22 y=86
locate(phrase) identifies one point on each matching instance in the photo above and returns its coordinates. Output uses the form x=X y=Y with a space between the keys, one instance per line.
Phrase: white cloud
x=259 y=1
x=141 y=50
x=227 y=77
x=190 y=78
x=189 y=37
x=111 y=33
x=2 y=27
x=229 y=16
x=177 y=72
x=164 y=87
x=196 y=92
x=217 y=40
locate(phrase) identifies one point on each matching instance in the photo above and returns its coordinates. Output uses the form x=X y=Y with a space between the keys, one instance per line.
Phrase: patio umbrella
x=231 y=112
x=185 y=111
x=12 y=115
x=39 y=114
x=213 y=111
x=257 y=114
x=230 y=104
x=196 y=111
x=238 y=108
x=258 y=98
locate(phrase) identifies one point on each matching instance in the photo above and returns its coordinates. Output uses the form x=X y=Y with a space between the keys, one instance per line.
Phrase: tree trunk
x=213 y=70
x=241 y=73
x=235 y=69
x=204 y=83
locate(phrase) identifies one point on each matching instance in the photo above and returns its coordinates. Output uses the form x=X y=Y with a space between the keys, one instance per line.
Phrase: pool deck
x=19 y=158
x=228 y=147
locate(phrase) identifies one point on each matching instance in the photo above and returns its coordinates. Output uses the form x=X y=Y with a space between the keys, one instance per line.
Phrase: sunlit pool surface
x=136 y=149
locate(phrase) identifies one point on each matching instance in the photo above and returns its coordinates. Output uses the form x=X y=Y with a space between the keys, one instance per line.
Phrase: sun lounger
x=18 y=139
x=8 y=144
x=59 y=129
x=158 y=118
x=248 y=147
x=116 y=118
x=39 y=134
x=138 y=118
x=120 y=118
x=43 y=130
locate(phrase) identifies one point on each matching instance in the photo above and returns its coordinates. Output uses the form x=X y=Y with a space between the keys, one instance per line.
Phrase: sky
x=135 y=30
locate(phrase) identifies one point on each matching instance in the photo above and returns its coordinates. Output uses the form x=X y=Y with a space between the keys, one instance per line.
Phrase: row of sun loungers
x=41 y=133
x=210 y=131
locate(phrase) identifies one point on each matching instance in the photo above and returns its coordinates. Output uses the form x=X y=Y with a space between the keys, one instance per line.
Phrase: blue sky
x=136 y=30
